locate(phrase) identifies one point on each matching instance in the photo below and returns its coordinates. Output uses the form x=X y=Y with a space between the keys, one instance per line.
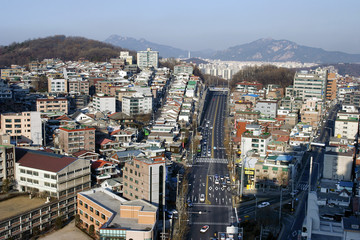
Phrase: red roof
x=100 y=163
x=63 y=117
x=283 y=139
x=76 y=129
x=42 y=160
x=78 y=153
x=104 y=141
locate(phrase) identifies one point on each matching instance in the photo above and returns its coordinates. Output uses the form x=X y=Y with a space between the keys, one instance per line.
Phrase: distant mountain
x=271 y=50
x=142 y=44
x=59 y=46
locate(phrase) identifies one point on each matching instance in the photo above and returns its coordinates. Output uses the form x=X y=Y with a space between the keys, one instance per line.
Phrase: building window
x=91 y=209
x=86 y=216
x=86 y=206
x=81 y=212
x=80 y=202
x=103 y=216
x=91 y=219
x=97 y=212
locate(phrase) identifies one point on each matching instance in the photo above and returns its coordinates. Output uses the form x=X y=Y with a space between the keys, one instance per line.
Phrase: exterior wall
x=104 y=103
x=7 y=162
x=52 y=105
x=57 y=85
x=19 y=125
x=183 y=69
x=337 y=166
x=78 y=87
x=267 y=108
x=73 y=140
x=346 y=129
x=132 y=105
x=141 y=180
x=309 y=85
x=94 y=211
x=147 y=59
x=129 y=211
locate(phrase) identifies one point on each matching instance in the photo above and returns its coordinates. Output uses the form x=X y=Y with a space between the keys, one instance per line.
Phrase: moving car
x=202 y=198
x=204 y=228
x=263 y=204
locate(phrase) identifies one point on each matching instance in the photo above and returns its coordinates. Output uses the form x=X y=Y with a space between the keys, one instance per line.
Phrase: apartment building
x=310 y=84
x=22 y=127
x=52 y=105
x=104 y=103
x=267 y=108
x=137 y=104
x=73 y=139
x=254 y=140
x=57 y=85
x=331 y=86
x=352 y=98
x=338 y=163
x=77 y=87
x=183 y=68
x=148 y=59
x=7 y=159
x=346 y=125
x=144 y=178
x=5 y=91
x=115 y=217
x=53 y=174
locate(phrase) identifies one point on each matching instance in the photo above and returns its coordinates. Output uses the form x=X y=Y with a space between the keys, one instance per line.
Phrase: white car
x=263 y=204
x=202 y=198
x=204 y=229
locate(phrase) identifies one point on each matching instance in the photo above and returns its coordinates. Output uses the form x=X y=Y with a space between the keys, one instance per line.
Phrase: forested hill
x=59 y=46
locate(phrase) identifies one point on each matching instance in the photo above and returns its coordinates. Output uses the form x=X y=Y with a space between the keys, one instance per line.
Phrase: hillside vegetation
x=266 y=75
x=60 y=46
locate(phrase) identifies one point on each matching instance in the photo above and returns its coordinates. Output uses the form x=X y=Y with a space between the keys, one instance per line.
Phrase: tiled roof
x=42 y=160
x=103 y=141
x=100 y=163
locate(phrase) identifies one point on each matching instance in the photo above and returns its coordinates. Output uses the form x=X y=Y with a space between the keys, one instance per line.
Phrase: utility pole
x=177 y=185
x=280 y=207
x=255 y=206
x=310 y=172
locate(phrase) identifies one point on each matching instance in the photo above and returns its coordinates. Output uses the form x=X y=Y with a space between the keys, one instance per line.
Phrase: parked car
x=204 y=229
x=263 y=204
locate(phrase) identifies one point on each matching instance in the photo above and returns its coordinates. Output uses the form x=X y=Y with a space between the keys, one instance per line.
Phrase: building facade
x=148 y=59
x=137 y=104
x=71 y=140
x=104 y=103
x=144 y=178
x=77 y=87
x=22 y=127
x=346 y=125
x=46 y=105
x=310 y=84
x=57 y=85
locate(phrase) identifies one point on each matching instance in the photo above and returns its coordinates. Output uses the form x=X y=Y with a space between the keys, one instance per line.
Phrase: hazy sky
x=329 y=24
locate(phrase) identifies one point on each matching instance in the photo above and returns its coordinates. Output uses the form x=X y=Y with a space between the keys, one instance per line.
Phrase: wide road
x=215 y=208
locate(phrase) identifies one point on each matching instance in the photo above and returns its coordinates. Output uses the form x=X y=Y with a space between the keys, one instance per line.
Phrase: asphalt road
x=317 y=153
x=216 y=208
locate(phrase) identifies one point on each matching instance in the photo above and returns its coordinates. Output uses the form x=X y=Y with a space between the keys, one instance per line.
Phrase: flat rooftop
x=17 y=205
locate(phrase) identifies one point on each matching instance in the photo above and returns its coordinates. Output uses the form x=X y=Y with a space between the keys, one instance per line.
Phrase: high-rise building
x=331 y=86
x=310 y=84
x=147 y=59
x=57 y=85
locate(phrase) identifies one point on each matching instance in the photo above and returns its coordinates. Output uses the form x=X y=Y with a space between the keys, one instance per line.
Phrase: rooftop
x=17 y=205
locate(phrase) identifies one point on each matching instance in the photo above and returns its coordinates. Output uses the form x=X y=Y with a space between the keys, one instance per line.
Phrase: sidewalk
x=66 y=233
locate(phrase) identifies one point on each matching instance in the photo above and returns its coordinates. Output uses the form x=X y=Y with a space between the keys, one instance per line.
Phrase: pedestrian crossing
x=212 y=160
x=303 y=186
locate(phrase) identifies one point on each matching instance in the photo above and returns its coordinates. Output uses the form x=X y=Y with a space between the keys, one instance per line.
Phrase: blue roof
x=251 y=95
x=284 y=158
x=346 y=184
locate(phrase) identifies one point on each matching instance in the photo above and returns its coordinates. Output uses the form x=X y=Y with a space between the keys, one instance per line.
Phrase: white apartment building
x=254 y=140
x=147 y=59
x=137 y=104
x=337 y=165
x=24 y=126
x=104 y=103
x=346 y=125
x=310 y=84
x=57 y=175
x=57 y=85
x=267 y=108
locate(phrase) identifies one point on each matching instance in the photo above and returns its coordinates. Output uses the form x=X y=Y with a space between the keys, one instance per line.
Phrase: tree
x=92 y=230
x=36 y=231
x=58 y=223
x=77 y=220
x=6 y=185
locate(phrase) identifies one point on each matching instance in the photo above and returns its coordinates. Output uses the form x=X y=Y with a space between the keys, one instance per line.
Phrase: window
x=97 y=223
x=8 y=120
x=103 y=216
x=137 y=166
x=91 y=209
x=8 y=126
x=81 y=212
x=22 y=170
x=46 y=175
x=35 y=173
x=80 y=202
x=86 y=206
x=91 y=219
x=86 y=216
x=97 y=212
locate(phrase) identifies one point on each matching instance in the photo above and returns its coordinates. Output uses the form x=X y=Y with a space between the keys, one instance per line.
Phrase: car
x=222 y=236
x=202 y=198
x=204 y=229
x=189 y=203
x=221 y=178
x=294 y=193
x=263 y=204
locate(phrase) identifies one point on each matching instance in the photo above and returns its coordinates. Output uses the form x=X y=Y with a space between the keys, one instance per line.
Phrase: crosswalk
x=212 y=160
x=303 y=186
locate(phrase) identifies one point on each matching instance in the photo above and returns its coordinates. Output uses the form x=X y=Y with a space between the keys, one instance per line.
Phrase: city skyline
x=190 y=25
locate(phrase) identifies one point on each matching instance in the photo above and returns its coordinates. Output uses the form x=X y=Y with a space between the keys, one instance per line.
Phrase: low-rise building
x=346 y=125
x=104 y=103
x=115 y=217
x=46 y=105
x=137 y=104
x=53 y=174
x=73 y=139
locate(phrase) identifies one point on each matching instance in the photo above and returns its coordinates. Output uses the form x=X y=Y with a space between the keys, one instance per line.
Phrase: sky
x=191 y=25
